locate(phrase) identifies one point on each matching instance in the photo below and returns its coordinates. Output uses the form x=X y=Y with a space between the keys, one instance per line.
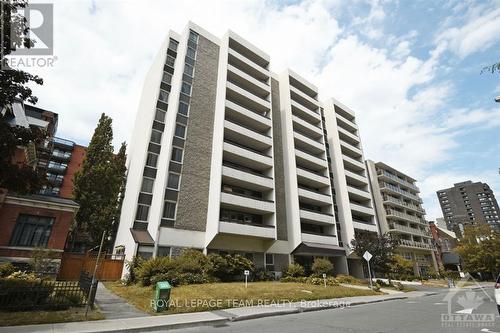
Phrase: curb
x=165 y=327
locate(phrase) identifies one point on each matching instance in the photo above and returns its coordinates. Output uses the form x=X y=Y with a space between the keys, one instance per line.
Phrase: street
x=409 y=315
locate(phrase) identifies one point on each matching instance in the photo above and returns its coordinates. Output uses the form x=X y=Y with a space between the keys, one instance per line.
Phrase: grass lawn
x=47 y=317
x=207 y=297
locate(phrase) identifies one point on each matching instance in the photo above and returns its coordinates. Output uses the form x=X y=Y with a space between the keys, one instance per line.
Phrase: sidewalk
x=113 y=306
x=217 y=317
x=384 y=290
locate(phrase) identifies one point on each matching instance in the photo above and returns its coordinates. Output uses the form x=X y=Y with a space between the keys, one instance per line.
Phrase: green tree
x=492 y=68
x=98 y=184
x=14 y=86
x=401 y=266
x=381 y=247
x=479 y=249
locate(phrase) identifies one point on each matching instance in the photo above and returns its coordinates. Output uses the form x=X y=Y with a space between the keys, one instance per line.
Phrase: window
x=156 y=136
x=173 y=181
x=177 y=154
x=183 y=108
x=147 y=185
x=186 y=88
x=170 y=61
x=151 y=160
x=32 y=231
x=180 y=131
x=188 y=69
x=167 y=77
x=191 y=53
x=142 y=213
x=160 y=115
x=163 y=96
x=163 y=251
x=173 y=45
x=270 y=261
x=169 y=210
x=193 y=36
x=144 y=251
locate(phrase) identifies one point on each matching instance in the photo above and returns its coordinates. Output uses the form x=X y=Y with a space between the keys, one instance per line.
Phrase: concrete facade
x=400 y=213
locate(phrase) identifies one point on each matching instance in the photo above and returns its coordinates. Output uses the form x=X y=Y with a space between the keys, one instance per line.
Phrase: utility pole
x=95 y=273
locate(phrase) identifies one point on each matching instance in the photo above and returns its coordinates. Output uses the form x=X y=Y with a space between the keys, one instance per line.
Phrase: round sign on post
x=247 y=273
x=324 y=279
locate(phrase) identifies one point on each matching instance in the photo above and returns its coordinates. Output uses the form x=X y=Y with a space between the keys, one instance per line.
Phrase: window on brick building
x=32 y=231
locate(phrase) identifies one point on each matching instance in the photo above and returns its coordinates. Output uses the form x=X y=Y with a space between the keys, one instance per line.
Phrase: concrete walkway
x=384 y=290
x=113 y=306
x=213 y=318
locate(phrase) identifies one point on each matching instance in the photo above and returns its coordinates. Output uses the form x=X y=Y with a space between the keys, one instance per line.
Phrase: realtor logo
x=39 y=17
x=469 y=301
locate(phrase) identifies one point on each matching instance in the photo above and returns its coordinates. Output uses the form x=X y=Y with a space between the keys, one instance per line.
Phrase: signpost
x=324 y=279
x=247 y=273
x=367 y=256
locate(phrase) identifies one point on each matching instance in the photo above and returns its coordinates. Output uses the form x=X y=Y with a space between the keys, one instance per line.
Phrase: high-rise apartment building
x=227 y=156
x=399 y=210
x=468 y=203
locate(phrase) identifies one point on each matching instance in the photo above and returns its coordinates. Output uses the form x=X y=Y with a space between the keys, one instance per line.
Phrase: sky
x=409 y=69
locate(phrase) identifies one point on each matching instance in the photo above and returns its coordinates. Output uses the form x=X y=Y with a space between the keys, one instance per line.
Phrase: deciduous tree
x=381 y=247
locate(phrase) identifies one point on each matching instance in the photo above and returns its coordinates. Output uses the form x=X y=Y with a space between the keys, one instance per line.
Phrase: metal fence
x=19 y=295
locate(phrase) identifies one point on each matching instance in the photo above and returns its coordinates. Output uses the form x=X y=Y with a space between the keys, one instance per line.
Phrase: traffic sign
x=367 y=255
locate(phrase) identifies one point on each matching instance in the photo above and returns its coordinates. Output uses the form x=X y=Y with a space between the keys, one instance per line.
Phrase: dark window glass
x=173 y=45
x=173 y=181
x=189 y=61
x=155 y=136
x=170 y=61
x=176 y=154
x=163 y=251
x=142 y=213
x=191 y=53
x=169 y=210
x=163 y=96
x=145 y=252
x=167 y=78
x=193 y=36
x=151 y=160
x=186 y=88
x=32 y=231
x=188 y=69
x=183 y=108
x=180 y=131
x=147 y=185
x=160 y=115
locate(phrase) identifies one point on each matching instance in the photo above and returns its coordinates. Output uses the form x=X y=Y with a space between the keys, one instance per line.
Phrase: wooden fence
x=110 y=266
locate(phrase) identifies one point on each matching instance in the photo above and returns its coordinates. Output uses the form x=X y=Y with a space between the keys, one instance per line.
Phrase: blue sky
x=409 y=69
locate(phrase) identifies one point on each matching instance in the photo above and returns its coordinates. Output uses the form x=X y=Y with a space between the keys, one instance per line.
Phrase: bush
x=219 y=267
x=321 y=266
x=301 y=279
x=132 y=267
x=382 y=283
x=154 y=266
x=294 y=270
x=319 y=281
x=376 y=287
x=262 y=274
x=6 y=269
x=348 y=279
x=193 y=261
x=41 y=261
x=23 y=276
x=398 y=285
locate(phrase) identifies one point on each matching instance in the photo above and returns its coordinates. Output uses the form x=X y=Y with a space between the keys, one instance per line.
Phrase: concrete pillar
x=340 y=265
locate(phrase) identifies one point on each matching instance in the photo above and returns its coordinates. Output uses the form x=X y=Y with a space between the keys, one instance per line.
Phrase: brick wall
x=75 y=164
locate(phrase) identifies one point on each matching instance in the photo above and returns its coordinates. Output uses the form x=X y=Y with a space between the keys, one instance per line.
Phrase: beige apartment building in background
x=399 y=211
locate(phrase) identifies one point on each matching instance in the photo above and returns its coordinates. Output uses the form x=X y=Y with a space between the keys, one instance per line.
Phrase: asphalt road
x=421 y=314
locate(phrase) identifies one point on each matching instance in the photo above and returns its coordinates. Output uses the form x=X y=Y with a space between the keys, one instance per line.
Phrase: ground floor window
x=32 y=231
x=145 y=251
x=163 y=251
x=270 y=261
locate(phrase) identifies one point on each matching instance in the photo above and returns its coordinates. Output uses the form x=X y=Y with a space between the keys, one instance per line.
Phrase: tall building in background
x=399 y=210
x=229 y=157
x=469 y=203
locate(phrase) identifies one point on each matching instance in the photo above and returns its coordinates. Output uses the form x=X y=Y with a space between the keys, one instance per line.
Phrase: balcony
x=248 y=82
x=311 y=178
x=308 y=144
x=384 y=174
x=240 y=133
x=353 y=164
x=309 y=161
x=363 y=210
x=392 y=188
x=246 y=98
x=246 y=203
x=240 y=177
x=314 y=198
x=304 y=113
x=258 y=121
x=57 y=168
x=417 y=245
x=348 y=136
x=350 y=150
x=310 y=130
x=304 y=99
x=355 y=178
x=346 y=124
x=244 y=229
x=358 y=194
x=391 y=213
x=63 y=143
x=236 y=153
x=409 y=230
x=362 y=225
x=402 y=204
x=316 y=217
x=61 y=156
x=319 y=238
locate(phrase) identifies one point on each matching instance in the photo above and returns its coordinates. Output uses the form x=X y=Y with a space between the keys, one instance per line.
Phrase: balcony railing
x=400 y=191
x=404 y=204
x=63 y=142
x=404 y=216
x=405 y=242
x=414 y=231
x=397 y=179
